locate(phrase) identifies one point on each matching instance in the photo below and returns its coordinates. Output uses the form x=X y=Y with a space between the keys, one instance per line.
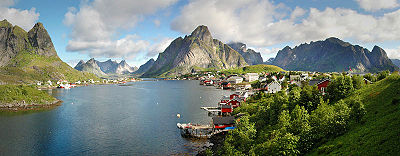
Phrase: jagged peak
x=5 y=23
x=287 y=48
x=38 y=25
x=202 y=32
x=377 y=48
x=337 y=41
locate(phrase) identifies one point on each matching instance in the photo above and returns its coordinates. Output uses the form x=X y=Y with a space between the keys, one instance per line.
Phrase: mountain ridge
x=27 y=57
x=333 y=55
x=198 y=50
x=105 y=68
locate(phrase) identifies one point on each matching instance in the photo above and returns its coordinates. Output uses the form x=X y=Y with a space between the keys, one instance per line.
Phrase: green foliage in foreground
x=11 y=94
x=378 y=133
x=351 y=122
x=28 y=67
x=254 y=69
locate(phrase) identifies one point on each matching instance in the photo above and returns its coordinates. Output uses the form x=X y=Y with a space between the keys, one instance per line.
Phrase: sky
x=137 y=30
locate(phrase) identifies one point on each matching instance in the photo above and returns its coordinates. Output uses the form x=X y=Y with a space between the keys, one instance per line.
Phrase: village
x=64 y=84
x=246 y=85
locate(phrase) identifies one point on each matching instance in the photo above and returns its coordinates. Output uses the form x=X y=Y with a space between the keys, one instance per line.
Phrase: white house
x=273 y=87
x=250 y=77
x=262 y=79
x=294 y=77
x=235 y=79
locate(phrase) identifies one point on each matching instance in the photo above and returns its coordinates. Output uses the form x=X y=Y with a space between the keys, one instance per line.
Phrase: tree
x=294 y=97
x=357 y=110
x=358 y=82
x=243 y=136
x=309 y=98
x=370 y=77
x=383 y=74
x=340 y=88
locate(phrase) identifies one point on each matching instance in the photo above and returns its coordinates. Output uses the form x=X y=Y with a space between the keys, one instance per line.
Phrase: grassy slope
x=380 y=134
x=254 y=69
x=18 y=93
x=29 y=68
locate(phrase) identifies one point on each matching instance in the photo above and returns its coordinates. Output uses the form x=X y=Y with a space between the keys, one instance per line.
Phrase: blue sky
x=138 y=30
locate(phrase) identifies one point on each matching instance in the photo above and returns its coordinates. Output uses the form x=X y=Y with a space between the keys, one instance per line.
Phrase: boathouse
x=223 y=122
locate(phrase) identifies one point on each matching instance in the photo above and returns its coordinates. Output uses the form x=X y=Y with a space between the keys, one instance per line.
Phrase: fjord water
x=110 y=119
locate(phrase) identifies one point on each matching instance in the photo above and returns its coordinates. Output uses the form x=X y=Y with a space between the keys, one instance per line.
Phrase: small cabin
x=226 y=108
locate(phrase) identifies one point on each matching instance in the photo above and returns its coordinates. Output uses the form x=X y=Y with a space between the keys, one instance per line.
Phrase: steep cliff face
x=250 y=56
x=145 y=67
x=331 y=55
x=196 y=50
x=26 y=57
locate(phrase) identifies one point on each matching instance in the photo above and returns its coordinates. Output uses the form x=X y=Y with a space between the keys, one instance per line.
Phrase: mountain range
x=105 y=68
x=396 y=62
x=27 y=57
x=333 y=55
x=198 y=50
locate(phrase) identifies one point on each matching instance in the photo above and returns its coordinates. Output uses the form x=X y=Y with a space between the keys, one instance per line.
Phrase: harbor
x=222 y=118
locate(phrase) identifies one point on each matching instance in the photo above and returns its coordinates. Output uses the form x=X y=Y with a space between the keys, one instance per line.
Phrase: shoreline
x=29 y=107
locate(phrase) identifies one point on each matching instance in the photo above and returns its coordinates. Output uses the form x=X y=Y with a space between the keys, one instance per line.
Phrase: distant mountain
x=396 y=62
x=105 y=68
x=270 y=61
x=90 y=66
x=198 y=50
x=145 y=67
x=332 y=55
x=250 y=56
x=27 y=57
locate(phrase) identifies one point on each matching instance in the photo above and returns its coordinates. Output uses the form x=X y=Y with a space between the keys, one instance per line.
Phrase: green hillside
x=12 y=94
x=350 y=119
x=380 y=132
x=254 y=69
x=27 y=57
x=28 y=67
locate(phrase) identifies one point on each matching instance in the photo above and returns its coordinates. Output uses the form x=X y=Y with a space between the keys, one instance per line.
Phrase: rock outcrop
x=28 y=57
x=198 y=50
x=250 y=56
x=333 y=55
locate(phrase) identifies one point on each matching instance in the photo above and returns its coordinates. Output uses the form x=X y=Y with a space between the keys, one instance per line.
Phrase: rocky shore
x=23 y=106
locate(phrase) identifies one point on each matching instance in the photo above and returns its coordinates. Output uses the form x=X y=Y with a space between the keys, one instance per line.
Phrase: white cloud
x=95 y=26
x=23 y=18
x=375 y=5
x=261 y=23
x=393 y=53
x=6 y=3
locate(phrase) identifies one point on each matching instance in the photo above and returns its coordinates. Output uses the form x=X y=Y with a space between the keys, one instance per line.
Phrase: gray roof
x=227 y=120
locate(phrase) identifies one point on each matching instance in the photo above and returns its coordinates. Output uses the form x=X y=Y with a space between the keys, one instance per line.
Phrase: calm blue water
x=111 y=119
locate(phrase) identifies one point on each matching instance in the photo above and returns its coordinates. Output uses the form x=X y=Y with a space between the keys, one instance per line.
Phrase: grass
x=254 y=69
x=27 y=68
x=11 y=94
x=379 y=133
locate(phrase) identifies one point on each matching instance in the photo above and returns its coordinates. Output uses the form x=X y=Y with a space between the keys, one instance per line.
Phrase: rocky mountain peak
x=4 y=23
x=335 y=40
x=41 y=41
x=202 y=33
x=251 y=57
